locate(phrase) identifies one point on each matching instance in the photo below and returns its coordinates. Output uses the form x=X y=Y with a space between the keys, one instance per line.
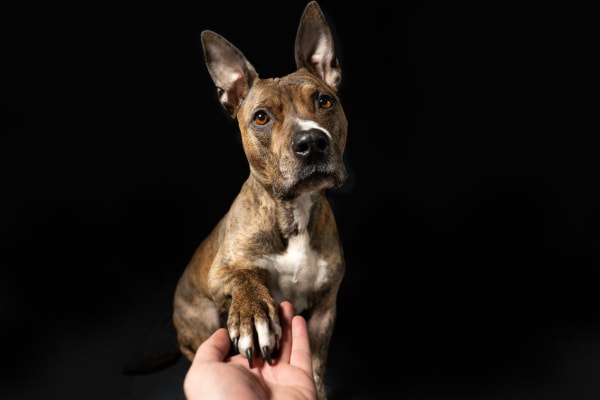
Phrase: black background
x=470 y=221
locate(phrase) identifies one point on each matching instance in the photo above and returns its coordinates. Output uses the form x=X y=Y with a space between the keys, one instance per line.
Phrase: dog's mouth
x=317 y=181
x=312 y=180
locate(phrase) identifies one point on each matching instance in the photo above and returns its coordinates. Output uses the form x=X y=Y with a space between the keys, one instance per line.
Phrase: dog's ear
x=314 y=48
x=229 y=69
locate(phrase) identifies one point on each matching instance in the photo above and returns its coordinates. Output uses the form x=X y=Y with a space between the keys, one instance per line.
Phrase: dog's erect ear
x=229 y=69
x=315 y=48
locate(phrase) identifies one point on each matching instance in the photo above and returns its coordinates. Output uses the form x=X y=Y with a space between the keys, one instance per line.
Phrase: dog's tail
x=154 y=362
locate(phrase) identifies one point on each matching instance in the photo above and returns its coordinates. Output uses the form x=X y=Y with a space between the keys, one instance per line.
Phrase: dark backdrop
x=470 y=221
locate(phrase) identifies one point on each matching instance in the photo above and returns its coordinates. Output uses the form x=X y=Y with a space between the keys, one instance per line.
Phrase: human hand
x=213 y=375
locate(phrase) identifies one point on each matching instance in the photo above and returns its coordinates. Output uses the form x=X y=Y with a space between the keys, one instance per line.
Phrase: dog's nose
x=310 y=144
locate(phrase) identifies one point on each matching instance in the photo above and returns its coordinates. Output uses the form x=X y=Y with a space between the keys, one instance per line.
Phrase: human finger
x=286 y=310
x=300 y=353
x=215 y=348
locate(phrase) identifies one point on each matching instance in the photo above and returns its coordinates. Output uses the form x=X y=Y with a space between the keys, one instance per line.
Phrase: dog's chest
x=296 y=273
x=299 y=270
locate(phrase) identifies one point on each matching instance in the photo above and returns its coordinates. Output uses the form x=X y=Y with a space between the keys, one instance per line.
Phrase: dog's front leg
x=243 y=296
x=320 y=330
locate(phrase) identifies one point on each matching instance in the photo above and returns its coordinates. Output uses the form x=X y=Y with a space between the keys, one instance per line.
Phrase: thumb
x=215 y=348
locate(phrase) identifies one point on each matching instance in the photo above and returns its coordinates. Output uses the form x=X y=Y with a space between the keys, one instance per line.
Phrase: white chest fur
x=299 y=270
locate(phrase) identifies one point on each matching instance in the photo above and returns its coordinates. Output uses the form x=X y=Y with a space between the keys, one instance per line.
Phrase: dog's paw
x=253 y=321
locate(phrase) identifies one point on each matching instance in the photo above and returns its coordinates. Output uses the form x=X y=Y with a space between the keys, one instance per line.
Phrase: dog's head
x=294 y=127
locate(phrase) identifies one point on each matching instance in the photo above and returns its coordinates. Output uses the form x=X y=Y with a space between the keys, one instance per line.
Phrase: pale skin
x=214 y=375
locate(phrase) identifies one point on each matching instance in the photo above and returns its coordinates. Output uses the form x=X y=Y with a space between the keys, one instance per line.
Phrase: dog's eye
x=325 y=101
x=261 y=118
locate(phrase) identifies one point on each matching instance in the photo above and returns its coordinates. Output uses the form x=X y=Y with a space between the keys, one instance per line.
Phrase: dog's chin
x=316 y=182
x=312 y=183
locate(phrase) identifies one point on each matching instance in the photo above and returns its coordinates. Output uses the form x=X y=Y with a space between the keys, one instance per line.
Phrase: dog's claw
x=249 y=357
x=235 y=346
x=267 y=353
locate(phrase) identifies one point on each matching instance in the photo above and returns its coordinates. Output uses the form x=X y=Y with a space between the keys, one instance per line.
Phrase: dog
x=279 y=239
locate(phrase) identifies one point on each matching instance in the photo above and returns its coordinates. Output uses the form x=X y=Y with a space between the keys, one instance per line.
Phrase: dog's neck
x=293 y=216
x=297 y=212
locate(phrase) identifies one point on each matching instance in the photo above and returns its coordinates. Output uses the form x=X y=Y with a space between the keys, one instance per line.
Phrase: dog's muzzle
x=317 y=167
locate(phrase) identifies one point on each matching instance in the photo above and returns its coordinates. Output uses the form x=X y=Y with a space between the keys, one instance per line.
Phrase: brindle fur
x=279 y=239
